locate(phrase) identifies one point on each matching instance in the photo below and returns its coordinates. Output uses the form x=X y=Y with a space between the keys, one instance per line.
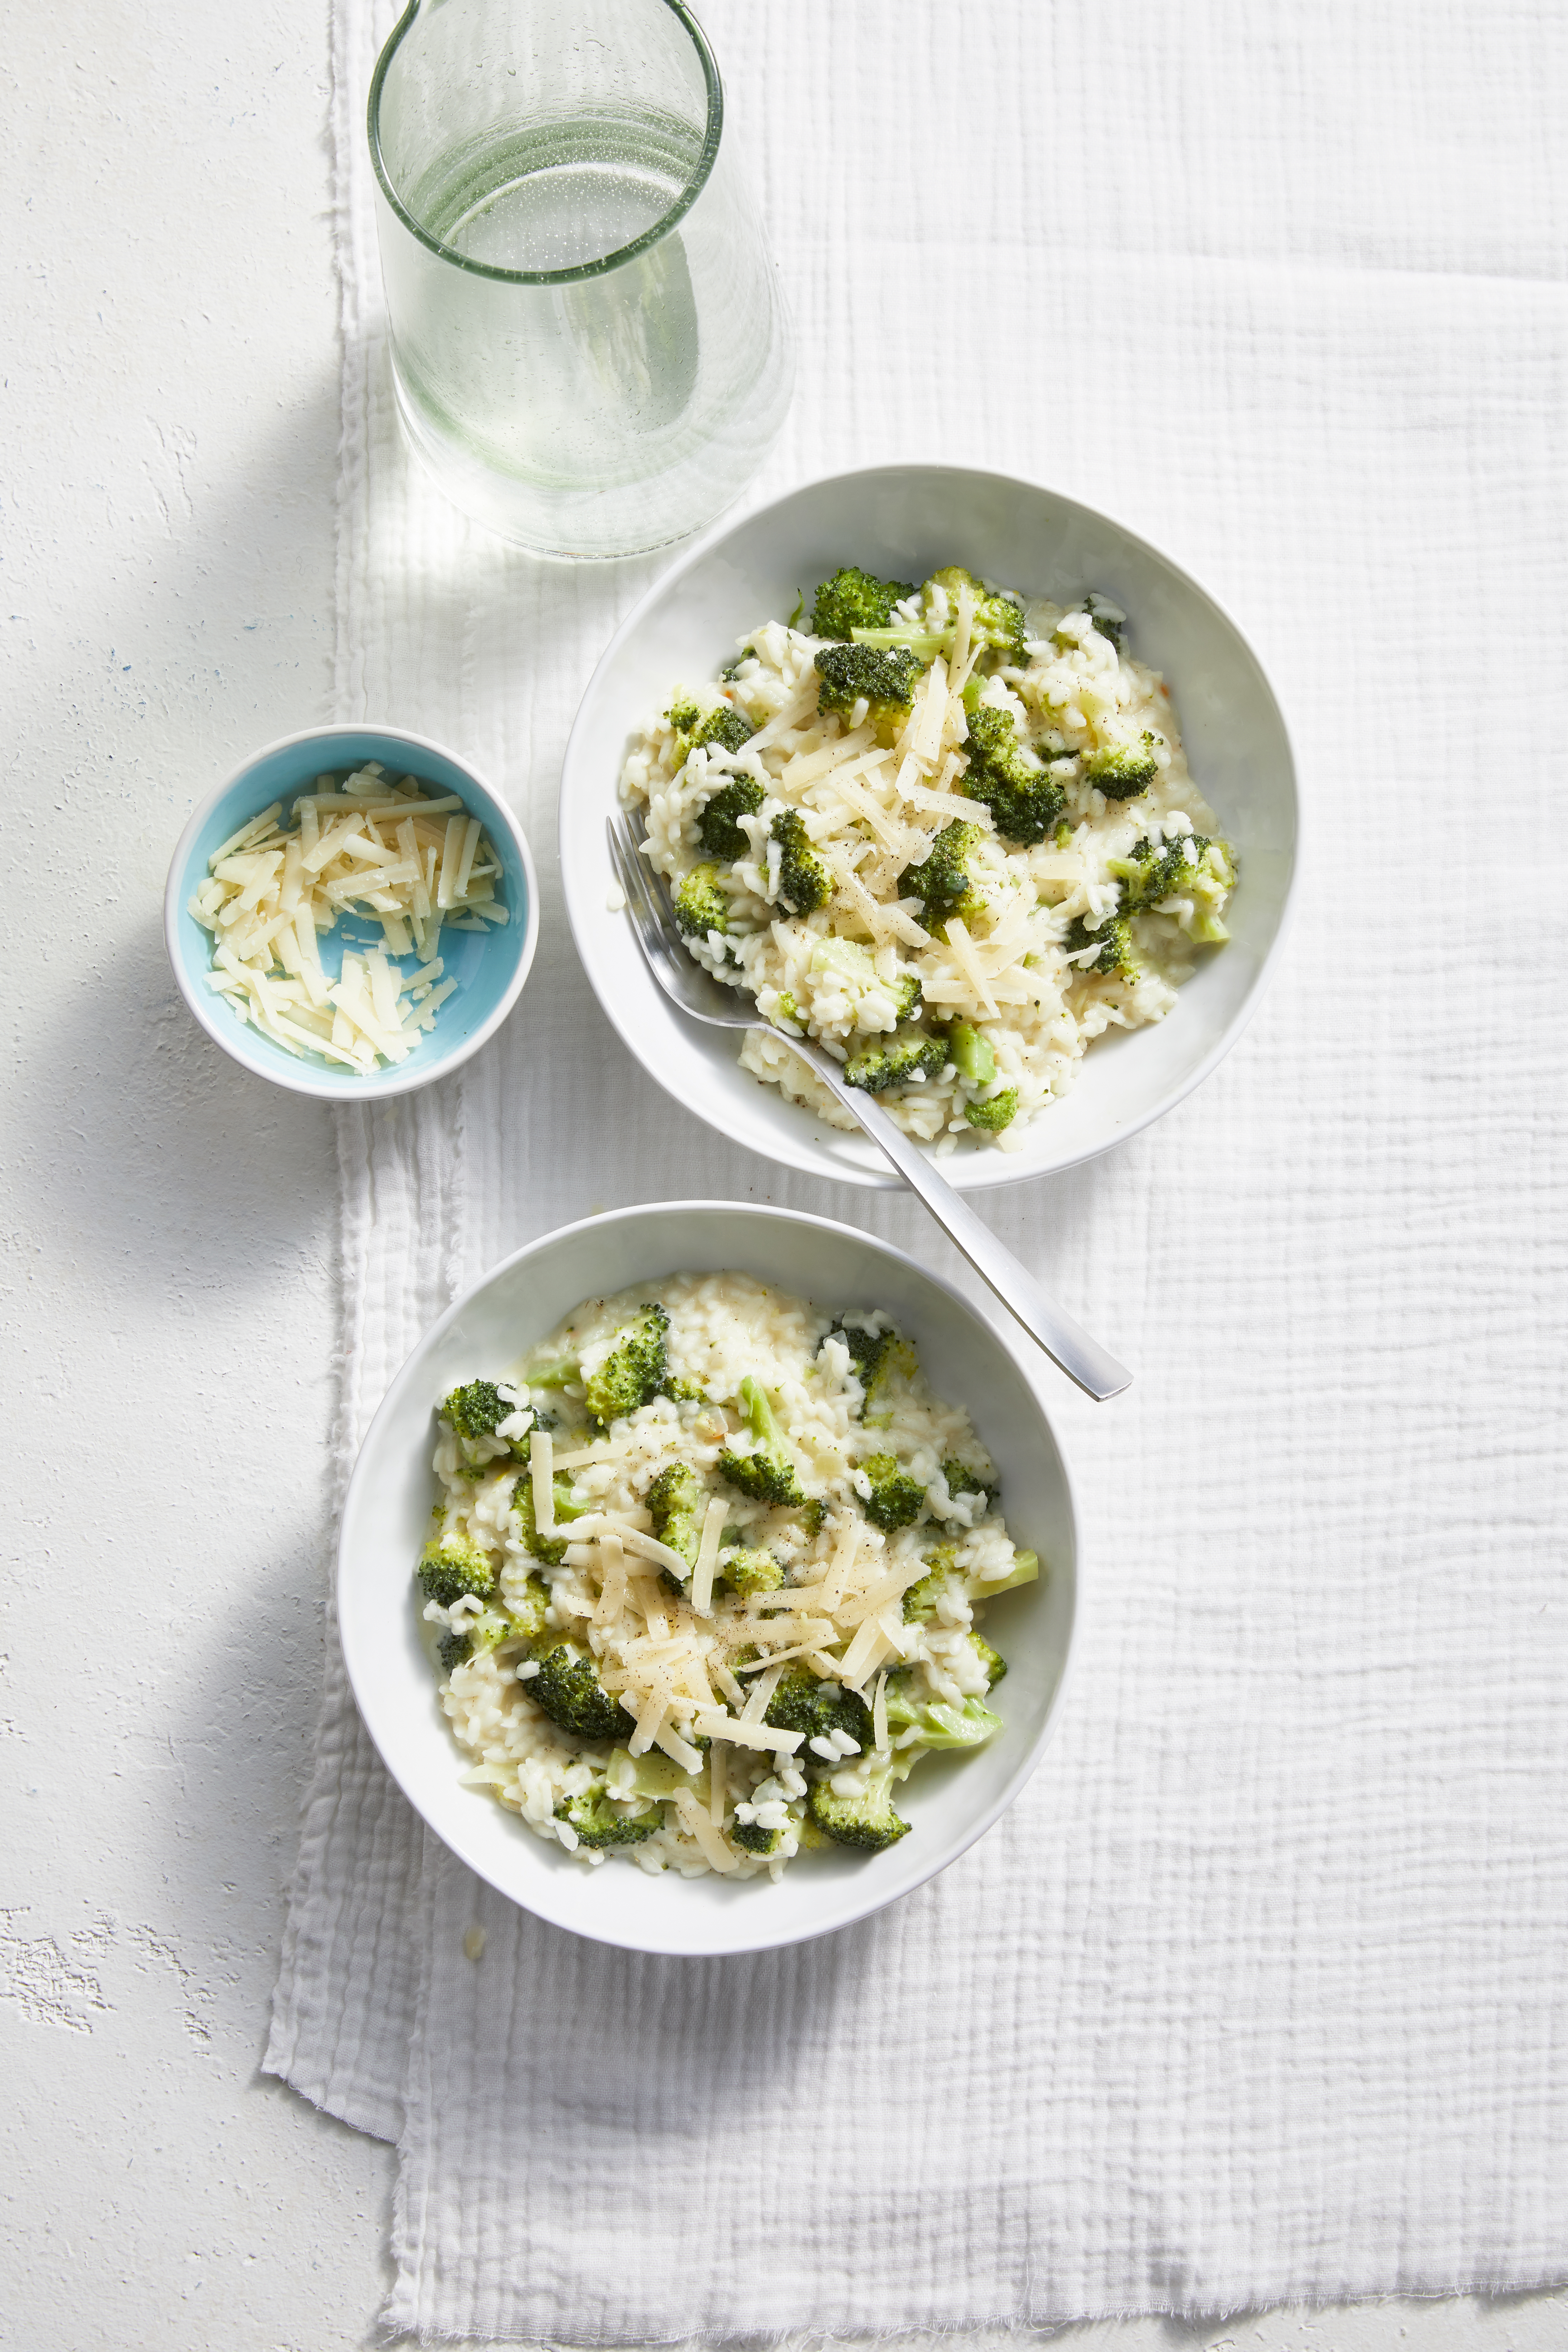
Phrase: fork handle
x=1066 y=1343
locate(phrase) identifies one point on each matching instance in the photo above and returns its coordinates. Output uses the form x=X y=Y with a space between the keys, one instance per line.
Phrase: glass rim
x=583 y=269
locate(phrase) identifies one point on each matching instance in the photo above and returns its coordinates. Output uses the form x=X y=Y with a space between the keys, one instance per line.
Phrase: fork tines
x=653 y=919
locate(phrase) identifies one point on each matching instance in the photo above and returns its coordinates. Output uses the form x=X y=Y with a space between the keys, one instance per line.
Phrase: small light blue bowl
x=490 y=968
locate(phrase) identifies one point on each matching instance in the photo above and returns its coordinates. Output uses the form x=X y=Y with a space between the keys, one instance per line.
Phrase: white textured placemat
x=1251 y=1998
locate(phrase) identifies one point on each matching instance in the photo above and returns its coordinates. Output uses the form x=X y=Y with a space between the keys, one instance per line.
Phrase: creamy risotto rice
x=706 y=1577
x=948 y=833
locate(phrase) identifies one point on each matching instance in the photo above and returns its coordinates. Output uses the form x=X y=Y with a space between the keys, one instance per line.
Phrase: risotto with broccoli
x=947 y=832
x=705 y=1579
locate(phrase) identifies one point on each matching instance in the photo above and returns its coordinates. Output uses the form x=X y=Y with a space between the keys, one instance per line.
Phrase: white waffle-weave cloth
x=1255 y=1996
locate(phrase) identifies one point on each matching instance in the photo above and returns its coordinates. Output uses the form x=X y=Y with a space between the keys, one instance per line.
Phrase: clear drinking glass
x=590 y=344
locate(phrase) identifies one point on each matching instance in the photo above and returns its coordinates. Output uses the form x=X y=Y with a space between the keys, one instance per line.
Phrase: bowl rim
x=965 y=1171
x=1029 y=1365
x=328 y=1086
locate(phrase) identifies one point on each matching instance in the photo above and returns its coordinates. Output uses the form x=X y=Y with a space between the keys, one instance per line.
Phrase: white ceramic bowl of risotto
x=902 y=521
x=950 y=1801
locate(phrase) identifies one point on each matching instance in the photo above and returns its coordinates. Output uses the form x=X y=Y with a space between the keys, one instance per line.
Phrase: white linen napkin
x=1252 y=1997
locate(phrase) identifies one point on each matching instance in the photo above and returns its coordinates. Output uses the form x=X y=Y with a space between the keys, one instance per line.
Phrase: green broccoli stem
x=971 y=1054
x=764 y=1474
x=925 y=644
x=757 y=1407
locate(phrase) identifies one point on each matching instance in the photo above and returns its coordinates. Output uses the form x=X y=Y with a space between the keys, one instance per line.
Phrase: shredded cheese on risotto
x=722 y=1617
x=954 y=846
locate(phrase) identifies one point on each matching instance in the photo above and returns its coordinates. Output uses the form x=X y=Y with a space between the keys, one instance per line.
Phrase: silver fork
x=695 y=991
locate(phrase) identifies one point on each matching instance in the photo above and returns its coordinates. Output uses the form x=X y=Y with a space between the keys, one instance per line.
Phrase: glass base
x=600 y=526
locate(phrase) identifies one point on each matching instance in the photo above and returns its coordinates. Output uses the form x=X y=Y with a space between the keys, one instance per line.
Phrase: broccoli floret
x=1107 y=618
x=941 y=881
x=731 y=671
x=938 y=1723
x=749 y=1571
x=1114 y=941
x=453 y=1564
x=598 y=1822
x=552 y=1549
x=492 y=1627
x=1147 y=875
x=895 y=1499
x=728 y=728
x=765 y=1473
x=675 y=1500
x=996 y=1112
x=867 y=1821
x=854 y=600
x=1024 y=801
x=920 y=1599
x=996 y=625
x=760 y=1476
x=896 y=1062
x=884 y=679
x=786 y=1009
x=1192 y=867
x=718 y=828
x=1208 y=890
x=635 y=1368
x=994 y=1664
x=801 y=1702
x=962 y=1480
x=805 y=883
x=998 y=622
x=569 y=1690
x=974 y=1060
x=474 y=1412
x=872 y=1353
x=868 y=1349
x=721 y=723
x=701 y=906
x=753 y=1838
x=1122 y=771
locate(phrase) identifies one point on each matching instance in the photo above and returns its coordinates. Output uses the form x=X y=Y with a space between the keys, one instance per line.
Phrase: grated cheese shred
x=708 y=1555
x=542 y=1471
x=270 y=890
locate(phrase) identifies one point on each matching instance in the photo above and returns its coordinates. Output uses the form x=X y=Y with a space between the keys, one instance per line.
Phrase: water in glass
x=589 y=344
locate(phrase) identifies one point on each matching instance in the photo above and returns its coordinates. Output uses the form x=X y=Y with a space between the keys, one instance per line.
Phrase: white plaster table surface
x=171 y=431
